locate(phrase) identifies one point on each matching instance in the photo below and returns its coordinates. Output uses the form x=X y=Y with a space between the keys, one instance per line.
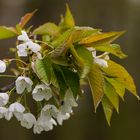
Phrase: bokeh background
x=108 y=15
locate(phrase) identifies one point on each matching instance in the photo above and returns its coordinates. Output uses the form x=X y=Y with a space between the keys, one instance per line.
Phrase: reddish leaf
x=24 y=20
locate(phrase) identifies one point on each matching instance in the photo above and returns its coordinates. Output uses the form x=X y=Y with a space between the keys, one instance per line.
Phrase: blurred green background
x=108 y=15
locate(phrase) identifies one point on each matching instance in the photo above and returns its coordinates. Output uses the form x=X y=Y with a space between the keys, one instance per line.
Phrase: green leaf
x=96 y=82
x=60 y=61
x=67 y=21
x=101 y=38
x=62 y=39
x=86 y=58
x=25 y=19
x=111 y=94
x=7 y=32
x=47 y=29
x=73 y=81
x=108 y=109
x=61 y=44
x=119 y=72
x=111 y=48
x=118 y=86
x=63 y=87
x=82 y=32
x=43 y=68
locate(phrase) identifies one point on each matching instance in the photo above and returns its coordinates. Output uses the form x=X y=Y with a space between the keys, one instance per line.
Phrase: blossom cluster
x=52 y=63
x=49 y=115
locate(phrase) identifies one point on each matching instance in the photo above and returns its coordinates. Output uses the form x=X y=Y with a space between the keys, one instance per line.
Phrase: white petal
x=23 y=83
x=28 y=120
x=23 y=37
x=22 y=50
x=18 y=115
x=20 y=84
x=38 y=128
x=101 y=62
x=41 y=92
x=61 y=117
x=34 y=47
x=4 y=98
x=3 y=111
x=2 y=66
x=16 y=107
x=8 y=115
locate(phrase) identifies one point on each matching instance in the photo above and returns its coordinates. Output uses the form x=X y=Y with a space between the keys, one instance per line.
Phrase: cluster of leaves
x=67 y=62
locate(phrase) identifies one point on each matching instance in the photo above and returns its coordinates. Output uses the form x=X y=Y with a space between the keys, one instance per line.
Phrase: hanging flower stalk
x=52 y=63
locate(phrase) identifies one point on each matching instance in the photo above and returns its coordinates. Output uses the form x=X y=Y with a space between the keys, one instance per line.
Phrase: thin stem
x=11 y=91
x=25 y=103
x=8 y=76
x=19 y=61
x=45 y=43
x=8 y=87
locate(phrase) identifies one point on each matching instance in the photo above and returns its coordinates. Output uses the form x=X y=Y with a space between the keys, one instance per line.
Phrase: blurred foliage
x=122 y=14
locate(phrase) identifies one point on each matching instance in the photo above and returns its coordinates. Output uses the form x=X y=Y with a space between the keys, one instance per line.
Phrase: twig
x=8 y=87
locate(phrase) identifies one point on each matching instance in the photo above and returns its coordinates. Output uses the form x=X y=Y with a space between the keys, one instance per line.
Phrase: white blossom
x=27 y=44
x=23 y=37
x=16 y=109
x=43 y=124
x=4 y=98
x=3 y=111
x=2 y=66
x=28 y=120
x=68 y=103
x=61 y=117
x=22 y=50
x=45 y=121
x=23 y=83
x=49 y=111
x=41 y=92
x=98 y=60
x=101 y=62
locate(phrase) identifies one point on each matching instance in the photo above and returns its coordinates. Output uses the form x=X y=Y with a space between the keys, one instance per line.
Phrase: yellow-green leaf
x=118 y=86
x=108 y=109
x=82 y=32
x=111 y=94
x=120 y=73
x=101 y=38
x=111 y=48
x=87 y=60
x=47 y=29
x=7 y=32
x=96 y=82
x=67 y=21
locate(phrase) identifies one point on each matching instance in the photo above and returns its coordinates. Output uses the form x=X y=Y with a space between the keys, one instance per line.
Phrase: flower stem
x=8 y=76
x=19 y=60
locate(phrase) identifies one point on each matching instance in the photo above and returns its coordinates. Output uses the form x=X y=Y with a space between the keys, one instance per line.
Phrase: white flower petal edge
x=68 y=103
x=98 y=60
x=41 y=92
x=61 y=117
x=3 y=111
x=15 y=109
x=101 y=62
x=23 y=83
x=23 y=37
x=43 y=124
x=4 y=98
x=28 y=120
x=2 y=66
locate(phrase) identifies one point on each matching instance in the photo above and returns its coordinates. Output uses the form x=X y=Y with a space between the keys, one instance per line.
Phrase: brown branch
x=8 y=87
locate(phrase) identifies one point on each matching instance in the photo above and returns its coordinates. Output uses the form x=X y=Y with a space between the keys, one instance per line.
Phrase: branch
x=8 y=87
